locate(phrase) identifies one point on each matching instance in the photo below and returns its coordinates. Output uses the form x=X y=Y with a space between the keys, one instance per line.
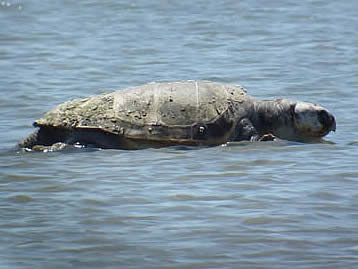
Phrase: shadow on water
x=278 y=142
x=76 y=148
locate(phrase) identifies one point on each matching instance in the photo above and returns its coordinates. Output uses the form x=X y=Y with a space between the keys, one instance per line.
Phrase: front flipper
x=267 y=137
x=246 y=131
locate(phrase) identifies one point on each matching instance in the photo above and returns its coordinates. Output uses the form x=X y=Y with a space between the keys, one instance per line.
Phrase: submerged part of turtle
x=192 y=113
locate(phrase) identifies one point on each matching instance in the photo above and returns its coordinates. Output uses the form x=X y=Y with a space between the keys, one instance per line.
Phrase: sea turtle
x=191 y=113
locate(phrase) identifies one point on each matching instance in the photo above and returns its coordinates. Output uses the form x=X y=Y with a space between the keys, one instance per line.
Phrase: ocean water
x=242 y=205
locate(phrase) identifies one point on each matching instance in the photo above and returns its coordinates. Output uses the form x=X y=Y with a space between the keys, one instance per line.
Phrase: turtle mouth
x=310 y=134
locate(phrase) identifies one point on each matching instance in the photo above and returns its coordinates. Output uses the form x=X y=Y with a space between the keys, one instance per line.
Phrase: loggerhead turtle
x=192 y=113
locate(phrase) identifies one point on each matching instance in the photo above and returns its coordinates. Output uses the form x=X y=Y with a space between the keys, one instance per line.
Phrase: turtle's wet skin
x=192 y=113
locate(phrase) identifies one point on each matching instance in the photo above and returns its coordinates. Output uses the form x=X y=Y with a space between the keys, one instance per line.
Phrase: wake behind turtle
x=190 y=113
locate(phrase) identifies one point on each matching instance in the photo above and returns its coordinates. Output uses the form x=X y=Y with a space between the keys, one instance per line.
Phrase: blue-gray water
x=246 y=205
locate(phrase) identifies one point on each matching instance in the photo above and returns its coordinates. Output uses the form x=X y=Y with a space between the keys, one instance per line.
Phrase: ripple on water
x=252 y=205
x=20 y=199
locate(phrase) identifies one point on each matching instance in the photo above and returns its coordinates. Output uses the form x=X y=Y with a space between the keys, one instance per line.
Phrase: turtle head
x=298 y=121
x=310 y=121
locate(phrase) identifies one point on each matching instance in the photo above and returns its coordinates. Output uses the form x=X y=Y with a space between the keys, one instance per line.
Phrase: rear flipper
x=44 y=137
x=59 y=146
x=29 y=141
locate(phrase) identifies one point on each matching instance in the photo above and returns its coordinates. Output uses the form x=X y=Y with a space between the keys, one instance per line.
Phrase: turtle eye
x=323 y=117
x=326 y=119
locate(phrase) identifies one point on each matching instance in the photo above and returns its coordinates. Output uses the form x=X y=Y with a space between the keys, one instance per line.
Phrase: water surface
x=242 y=205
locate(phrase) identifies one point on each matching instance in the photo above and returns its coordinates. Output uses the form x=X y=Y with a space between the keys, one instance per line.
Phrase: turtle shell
x=186 y=112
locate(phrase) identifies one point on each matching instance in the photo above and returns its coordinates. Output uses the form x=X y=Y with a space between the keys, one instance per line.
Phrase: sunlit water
x=243 y=205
